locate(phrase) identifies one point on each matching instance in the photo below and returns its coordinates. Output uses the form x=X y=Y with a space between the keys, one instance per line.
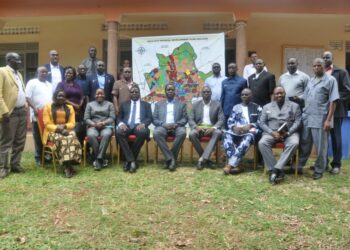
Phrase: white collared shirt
x=170 y=112
x=245 y=113
x=206 y=116
x=21 y=98
x=215 y=84
x=40 y=94
x=249 y=70
x=137 y=114
x=101 y=81
x=55 y=76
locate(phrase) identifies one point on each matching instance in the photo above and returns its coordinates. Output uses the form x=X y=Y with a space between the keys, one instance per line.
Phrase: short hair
x=168 y=84
x=135 y=86
x=72 y=68
x=251 y=52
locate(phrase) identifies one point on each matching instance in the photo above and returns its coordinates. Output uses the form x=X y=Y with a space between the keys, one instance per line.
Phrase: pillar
x=241 y=45
x=112 y=48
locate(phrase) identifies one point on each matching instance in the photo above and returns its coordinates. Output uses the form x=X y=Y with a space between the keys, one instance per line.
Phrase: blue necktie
x=133 y=115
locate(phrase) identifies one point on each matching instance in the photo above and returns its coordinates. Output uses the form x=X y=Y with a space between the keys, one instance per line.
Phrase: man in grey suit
x=280 y=121
x=170 y=118
x=206 y=119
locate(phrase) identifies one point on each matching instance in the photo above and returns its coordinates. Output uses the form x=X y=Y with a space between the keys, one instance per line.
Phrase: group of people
x=242 y=111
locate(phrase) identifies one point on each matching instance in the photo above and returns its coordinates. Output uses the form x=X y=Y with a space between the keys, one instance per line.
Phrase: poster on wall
x=185 y=60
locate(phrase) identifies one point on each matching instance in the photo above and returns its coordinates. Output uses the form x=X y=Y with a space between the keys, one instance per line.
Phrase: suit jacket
x=93 y=86
x=273 y=117
x=262 y=87
x=343 y=80
x=8 y=91
x=49 y=75
x=215 y=114
x=180 y=113
x=145 y=113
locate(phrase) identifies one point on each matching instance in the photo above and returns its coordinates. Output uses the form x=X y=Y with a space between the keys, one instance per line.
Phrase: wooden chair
x=132 y=138
x=167 y=139
x=206 y=139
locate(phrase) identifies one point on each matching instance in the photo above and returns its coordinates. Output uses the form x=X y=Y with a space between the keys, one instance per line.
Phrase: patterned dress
x=236 y=145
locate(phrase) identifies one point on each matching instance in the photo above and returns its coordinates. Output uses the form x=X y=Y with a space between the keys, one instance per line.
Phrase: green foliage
x=187 y=209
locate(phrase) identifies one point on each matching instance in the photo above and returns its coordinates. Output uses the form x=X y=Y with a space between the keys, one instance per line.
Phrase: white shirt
x=40 y=94
x=245 y=113
x=21 y=97
x=170 y=113
x=101 y=80
x=215 y=84
x=137 y=114
x=55 y=76
x=206 y=116
x=249 y=69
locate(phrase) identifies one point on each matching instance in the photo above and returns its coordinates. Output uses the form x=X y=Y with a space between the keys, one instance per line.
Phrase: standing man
x=121 y=89
x=262 y=84
x=249 y=69
x=242 y=131
x=231 y=90
x=82 y=80
x=340 y=112
x=38 y=94
x=206 y=119
x=91 y=61
x=294 y=82
x=170 y=118
x=321 y=95
x=280 y=121
x=13 y=116
x=55 y=70
x=134 y=118
x=215 y=82
x=101 y=80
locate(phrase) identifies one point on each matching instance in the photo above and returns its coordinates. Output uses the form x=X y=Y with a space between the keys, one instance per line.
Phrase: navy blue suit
x=93 y=86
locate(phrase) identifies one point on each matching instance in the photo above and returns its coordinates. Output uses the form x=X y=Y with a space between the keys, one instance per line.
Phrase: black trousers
x=336 y=142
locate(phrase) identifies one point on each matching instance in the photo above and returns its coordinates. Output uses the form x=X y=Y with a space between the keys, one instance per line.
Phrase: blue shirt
x=231 y=92
x=83 y=83
x=101 y=81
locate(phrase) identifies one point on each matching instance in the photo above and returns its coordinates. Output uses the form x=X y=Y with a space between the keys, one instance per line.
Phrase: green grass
x=187 y=209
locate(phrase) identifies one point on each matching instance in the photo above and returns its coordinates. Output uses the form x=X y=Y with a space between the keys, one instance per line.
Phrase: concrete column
x=112 y=48
x=241 y=45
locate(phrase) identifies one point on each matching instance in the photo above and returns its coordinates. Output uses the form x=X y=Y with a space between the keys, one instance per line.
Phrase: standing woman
x=59 y=122
x=99 y=117
x=75 y=98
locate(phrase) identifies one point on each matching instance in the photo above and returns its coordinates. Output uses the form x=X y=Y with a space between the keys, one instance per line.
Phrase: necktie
x=133 y=115
x=93 y=67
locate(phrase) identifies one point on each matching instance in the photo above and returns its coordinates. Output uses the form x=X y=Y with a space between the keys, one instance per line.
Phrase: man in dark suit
x=134 y=118
x=101 y=80
x=262 y=84
x=206 y=119
x=54 y=69
x=170 y=118
x=340 y=112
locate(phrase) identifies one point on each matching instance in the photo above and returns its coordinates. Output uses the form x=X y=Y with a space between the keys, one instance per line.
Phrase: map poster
x=185 y=60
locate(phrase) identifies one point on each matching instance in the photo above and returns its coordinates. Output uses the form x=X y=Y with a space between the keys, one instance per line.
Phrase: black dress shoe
x=126 y=166
x=317 y=176
x=3 y=172
x=172 y=165
x=97 y=165
x=133 y=167
x=200 y=165
x=335 y=170
x=210 y=164
x=276 y=176
x=17 y=169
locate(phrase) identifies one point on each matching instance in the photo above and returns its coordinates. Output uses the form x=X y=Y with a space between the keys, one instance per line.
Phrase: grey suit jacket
x=272 y=117
x=215 y=113
x=180 y=113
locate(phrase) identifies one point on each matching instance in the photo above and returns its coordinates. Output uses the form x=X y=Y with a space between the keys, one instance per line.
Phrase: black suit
x=108 y=86
x=262 y=87
x=49 y=74
x=343 y=81
x=145 y=114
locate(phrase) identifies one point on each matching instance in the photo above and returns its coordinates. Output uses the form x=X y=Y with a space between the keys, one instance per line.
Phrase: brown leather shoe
x=227 y=169
x=236 y=170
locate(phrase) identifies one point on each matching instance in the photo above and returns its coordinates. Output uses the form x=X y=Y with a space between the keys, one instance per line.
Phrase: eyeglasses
x=127 y=71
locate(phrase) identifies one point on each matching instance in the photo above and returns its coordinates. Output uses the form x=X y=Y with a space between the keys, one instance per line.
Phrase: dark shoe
x=3 y=172
x=17 y=169
x=37 y=163
x=68 y=172
x=317 y=176
x=277 y=175
x=200 y=165
x=133 y=167
x=335 y=170
x=97 y=165
x=210 y=164
x=105 y=163
x=235 y=170
x=227 y=169
x=172 y=165
x=126 y=166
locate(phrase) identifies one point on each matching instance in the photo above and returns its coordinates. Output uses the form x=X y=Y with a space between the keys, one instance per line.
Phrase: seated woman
x=59 y=122
x=99 y=117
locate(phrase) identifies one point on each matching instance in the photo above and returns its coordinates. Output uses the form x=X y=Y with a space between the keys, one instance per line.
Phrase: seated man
x=206 y=119
x=242 y=131
x=134 y=118
x=280 y=121
x=170 y=118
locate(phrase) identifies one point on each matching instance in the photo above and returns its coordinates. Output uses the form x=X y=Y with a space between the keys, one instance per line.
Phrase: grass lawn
x=187 y=209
